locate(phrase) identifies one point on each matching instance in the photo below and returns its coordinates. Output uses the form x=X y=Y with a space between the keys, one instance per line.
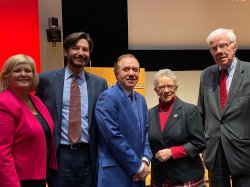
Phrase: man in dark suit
x=122 y=118
x=76 y=160
x=226 y=113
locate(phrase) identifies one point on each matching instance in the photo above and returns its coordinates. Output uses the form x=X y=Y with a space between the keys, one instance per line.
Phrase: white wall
x=51 y=57
x=188 y=87
x=185 y=24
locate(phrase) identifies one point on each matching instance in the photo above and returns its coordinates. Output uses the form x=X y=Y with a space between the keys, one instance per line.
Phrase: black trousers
x=74 y=167
x=220 y=176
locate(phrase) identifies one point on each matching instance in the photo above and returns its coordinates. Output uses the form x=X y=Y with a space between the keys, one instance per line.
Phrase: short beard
x=83 y=64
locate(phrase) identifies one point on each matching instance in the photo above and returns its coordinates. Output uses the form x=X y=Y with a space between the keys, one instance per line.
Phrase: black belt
x=75 y=146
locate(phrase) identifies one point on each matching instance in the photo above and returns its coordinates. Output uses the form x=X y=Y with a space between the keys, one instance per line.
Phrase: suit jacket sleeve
x=200 y=104
x=8 y=174
x=196 y=143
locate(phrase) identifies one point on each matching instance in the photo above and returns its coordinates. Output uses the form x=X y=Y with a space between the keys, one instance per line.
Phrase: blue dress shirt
x=81 y=80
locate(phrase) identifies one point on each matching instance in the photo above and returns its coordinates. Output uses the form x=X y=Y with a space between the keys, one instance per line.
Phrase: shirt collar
x=231 y=67
x=127 y=92
x=69 y=73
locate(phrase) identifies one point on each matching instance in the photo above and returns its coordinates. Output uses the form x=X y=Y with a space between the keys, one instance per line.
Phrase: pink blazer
x=22 y=141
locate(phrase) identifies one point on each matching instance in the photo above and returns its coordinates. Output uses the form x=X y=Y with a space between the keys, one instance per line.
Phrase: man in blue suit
x=76 y=160
x=122 y=118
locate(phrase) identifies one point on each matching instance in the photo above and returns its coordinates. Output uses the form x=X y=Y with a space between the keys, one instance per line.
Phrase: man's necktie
x=74 y=129
x=223 y=87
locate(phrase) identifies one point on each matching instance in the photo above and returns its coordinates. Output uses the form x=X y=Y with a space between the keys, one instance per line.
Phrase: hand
x=136 y=177
x=163 y=155
x=143 y=174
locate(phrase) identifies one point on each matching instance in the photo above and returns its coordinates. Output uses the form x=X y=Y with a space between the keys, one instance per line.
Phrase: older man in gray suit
x=224 y=103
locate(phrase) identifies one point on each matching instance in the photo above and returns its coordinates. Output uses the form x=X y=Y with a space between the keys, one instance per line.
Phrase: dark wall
x=106 y=22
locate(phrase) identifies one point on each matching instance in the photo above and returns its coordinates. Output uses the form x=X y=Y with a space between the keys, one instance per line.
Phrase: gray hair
x=165 y=73
x=221 y=31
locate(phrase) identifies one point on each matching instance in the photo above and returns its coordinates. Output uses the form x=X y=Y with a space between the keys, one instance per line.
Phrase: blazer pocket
x=243 y=94
x=108 y=163
x=243 y=99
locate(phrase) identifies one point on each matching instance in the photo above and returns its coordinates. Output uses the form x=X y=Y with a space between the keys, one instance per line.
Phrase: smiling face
x=222 y=50
x=166 y=89
x=127 y=74
x=21 y=78
x=78 y=55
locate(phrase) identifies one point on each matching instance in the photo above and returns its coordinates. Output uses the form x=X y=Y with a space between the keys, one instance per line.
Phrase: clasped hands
x=143 y=174
x=162 y=155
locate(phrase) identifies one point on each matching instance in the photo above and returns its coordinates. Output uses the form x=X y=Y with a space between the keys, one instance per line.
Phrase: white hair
x=221 y=31
x=165 y=73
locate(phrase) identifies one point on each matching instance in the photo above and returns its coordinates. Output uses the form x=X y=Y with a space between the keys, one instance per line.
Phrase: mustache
x=83 y=58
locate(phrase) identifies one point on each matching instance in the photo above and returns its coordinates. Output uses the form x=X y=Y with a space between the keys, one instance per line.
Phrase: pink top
x=22 y=141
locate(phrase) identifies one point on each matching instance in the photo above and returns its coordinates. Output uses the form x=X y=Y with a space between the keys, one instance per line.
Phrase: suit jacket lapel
x=236 y=82
x=127 y=105
x=90 y=87
x=42 y=112
x=140 y=111
x=174 y=116
x=156 y=124
x=216 y=87
x=58 y=87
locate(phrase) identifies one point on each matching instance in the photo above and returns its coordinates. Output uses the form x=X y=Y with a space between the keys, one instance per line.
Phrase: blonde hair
x=9 y=66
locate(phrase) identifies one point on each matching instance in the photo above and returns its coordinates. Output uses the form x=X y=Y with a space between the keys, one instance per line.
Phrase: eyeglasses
x=222 y=46
x=169 y=86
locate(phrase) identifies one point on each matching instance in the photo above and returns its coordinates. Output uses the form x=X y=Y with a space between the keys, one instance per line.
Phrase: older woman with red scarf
x=176 y=137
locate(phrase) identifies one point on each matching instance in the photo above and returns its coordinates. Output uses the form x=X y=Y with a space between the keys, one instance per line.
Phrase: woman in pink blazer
x=27 y=146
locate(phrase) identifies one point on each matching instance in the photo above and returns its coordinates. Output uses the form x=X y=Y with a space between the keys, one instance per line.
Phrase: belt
x=75 y=146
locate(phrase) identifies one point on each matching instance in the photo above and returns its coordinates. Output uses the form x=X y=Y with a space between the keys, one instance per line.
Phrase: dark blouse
x=46 y=130
x=45 y=127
